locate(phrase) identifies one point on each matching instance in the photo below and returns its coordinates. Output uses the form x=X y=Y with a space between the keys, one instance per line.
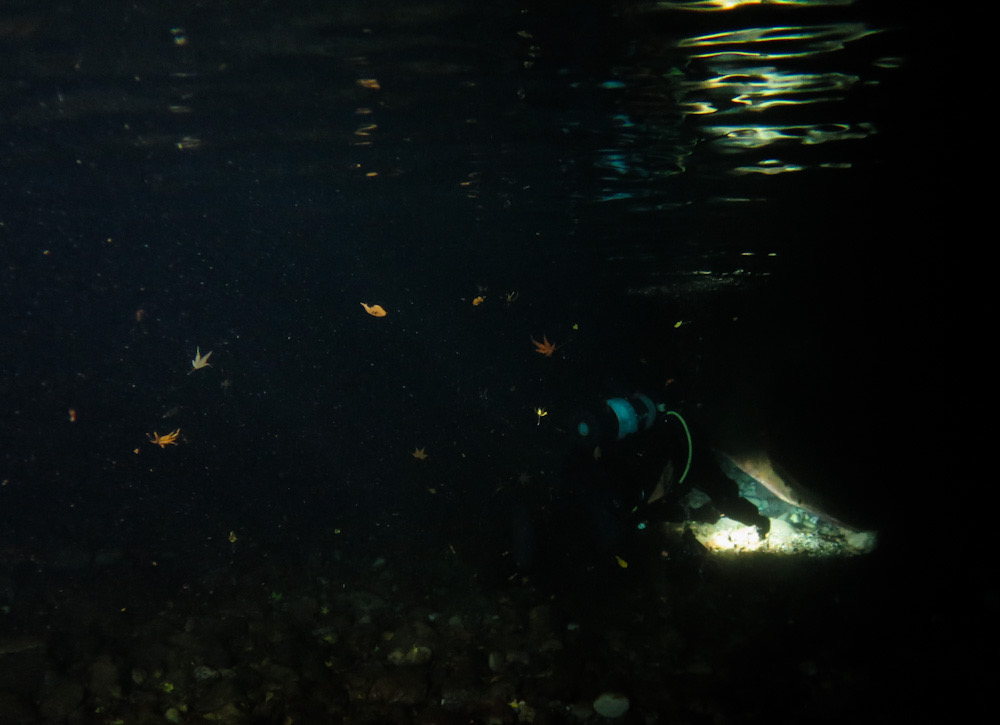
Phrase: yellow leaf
x=373 y=310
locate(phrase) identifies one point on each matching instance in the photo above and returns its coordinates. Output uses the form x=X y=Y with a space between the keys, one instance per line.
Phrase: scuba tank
x=620 y=417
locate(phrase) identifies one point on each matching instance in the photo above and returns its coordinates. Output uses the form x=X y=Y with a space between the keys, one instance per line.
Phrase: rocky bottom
x=232 y=634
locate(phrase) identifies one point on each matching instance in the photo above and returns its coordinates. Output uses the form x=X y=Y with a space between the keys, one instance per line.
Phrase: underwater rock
x=525 y=713
x=404 y=687
x=456 y=670
x=416 y=655
x=104 y=678
x=302 y=610
x=518 y=657
x=60 y=701
x=204 y=672
x=550 y=645
x=413 y=644
x=540 y=621
x=461 y=699
x=363 y=604
x=580 y=711
x=216 y=696
x=611 y=704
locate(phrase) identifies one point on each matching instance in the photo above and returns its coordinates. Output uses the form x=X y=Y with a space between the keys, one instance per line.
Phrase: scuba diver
x=656 y=459
x=631 y=466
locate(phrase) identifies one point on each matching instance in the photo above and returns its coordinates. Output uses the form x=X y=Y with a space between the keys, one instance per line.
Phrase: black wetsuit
x=611 y=482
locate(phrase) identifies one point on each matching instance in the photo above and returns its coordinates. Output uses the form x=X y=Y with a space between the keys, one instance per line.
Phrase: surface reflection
x=742 y=87
x=761 y=88
x=755 y=137
x=793 y=88
x=770 y=43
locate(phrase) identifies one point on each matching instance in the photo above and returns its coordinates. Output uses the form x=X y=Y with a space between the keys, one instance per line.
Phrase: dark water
x=239 y=177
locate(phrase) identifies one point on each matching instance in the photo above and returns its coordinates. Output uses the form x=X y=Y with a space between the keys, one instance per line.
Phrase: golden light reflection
x=698 y=108
x=711 y=6
x=757 y=89
x=363 y=134
x=767 y=168
x=782 y=41
x=759 y=136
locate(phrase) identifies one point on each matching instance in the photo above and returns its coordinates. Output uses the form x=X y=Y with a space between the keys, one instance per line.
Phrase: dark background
x=220 y=168
x=237 y=177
